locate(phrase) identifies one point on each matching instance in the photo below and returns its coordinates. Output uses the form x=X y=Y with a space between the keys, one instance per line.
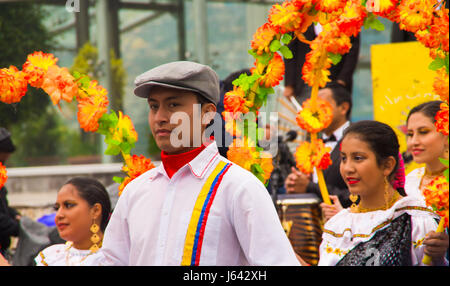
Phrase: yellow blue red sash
x=197 y=224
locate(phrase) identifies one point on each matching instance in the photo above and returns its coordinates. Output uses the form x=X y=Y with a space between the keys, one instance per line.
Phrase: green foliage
x=372 y=22
x=335 y=58
x=445 y=162
x=439 y=63
x=246 y=81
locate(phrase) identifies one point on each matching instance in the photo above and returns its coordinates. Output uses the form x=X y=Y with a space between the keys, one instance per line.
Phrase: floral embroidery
x=418 y=243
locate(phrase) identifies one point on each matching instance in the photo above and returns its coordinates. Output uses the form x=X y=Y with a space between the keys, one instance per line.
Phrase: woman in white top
x=83 y=208
x=426 y=145
x=386 y=228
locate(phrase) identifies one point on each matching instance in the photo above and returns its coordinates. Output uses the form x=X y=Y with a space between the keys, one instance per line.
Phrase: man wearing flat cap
x=9 y=217
x=196 y=207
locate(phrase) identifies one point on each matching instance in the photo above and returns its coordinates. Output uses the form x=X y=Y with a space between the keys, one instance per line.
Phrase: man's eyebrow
x=165 y=99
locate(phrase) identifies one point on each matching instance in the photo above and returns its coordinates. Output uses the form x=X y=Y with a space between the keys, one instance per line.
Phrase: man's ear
x=344 y=108
x=208 y=109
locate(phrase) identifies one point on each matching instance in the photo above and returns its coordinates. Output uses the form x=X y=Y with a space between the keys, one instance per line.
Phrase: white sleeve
x=258 y=227
x=116 y=242
x=421 y=225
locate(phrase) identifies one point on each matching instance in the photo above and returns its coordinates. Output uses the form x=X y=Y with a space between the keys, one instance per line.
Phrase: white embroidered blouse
x=65 y=255
x=346 y=229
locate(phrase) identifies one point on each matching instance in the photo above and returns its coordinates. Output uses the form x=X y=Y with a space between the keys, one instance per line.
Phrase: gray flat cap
x=181 y=75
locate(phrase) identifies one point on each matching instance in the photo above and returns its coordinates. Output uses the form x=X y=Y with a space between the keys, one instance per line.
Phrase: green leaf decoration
x=286 y=39
x=264 y=58
x=437 y=64
x=112 y=150
x=372 y=22
x=286 y=52
x=275 y=45
x=118 y=180
x=335 y=58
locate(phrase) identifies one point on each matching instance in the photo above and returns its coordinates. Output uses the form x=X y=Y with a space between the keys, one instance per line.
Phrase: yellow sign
x=401 y=80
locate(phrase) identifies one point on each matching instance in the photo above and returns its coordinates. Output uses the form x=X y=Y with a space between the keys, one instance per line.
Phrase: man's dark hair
x=341 y=95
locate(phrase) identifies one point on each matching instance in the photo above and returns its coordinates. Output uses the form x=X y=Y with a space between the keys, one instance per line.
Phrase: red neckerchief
x=172 y=163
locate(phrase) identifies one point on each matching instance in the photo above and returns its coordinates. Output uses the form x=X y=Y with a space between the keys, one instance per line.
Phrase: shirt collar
x=338 y=133
x=198 y=166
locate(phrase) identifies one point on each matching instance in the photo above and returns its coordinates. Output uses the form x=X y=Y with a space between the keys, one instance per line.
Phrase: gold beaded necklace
x=69 y=246
x=394 y=198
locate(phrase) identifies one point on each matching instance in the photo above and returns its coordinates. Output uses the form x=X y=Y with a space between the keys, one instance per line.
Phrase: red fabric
x=172 y=163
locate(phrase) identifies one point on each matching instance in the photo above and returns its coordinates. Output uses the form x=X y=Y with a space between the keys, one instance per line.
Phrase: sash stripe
x=197 y=224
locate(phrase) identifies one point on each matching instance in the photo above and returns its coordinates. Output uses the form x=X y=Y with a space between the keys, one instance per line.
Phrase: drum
x=301 y=218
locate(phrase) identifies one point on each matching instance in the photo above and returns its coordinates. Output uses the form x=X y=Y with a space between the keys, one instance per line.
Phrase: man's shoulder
x=237 y=175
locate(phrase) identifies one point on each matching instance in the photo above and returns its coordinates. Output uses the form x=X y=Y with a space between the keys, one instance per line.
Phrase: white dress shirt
x=150 y=221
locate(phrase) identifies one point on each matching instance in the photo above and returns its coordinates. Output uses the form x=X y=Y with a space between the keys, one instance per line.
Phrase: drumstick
x=287 y=118
x=287 y=106
x=295 y=103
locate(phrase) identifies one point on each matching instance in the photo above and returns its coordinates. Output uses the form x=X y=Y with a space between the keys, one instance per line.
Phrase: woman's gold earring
x=353 y=198
x=386 y=193
x=95 y=239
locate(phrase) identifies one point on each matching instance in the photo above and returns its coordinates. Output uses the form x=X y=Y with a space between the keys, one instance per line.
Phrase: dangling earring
x=94 y=238
x=353 y=198
x=386 y=193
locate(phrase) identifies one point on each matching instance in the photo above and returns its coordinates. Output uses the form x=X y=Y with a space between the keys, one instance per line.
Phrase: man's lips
x=352 y=181
x=163 y=132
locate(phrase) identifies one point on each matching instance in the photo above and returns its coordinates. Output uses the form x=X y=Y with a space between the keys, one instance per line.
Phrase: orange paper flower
x=243 y=153
x=59 y=84
x=92 y=107
x=352 y=19
x=441 y=85
x=416 y=15
x=262 y=38
x=315 y=119
x=134 y=167
x=124 y=130
x=36 y=67
x=312 y=155
x=436 y=196
x=442 y=119
x=285 y=17
x=3 y=175
x=234 y=102
x=314 y=69
x=330 y=6
x=13 y=85
x=274 y=72
x=266 y=165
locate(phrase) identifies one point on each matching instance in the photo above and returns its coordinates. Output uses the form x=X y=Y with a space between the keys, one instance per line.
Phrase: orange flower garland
x=13 y=85
x=274 y=73
x=92 y=106
x=442 y=119
x=436 y=196
x=315 y=119
x=441 y=84
x=262 y=38
x=36 y=67
x=59 y=84
x=310 y=155
x=285 y=17
x=3 y=175
x=134 y=167
x=416 y=15
x=234 y=102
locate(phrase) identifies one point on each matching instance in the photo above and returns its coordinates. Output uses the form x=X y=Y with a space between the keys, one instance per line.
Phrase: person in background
x=9 y=217
x=427 y=146
x=297 y=182
x=386 y=227
x=82 y=212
